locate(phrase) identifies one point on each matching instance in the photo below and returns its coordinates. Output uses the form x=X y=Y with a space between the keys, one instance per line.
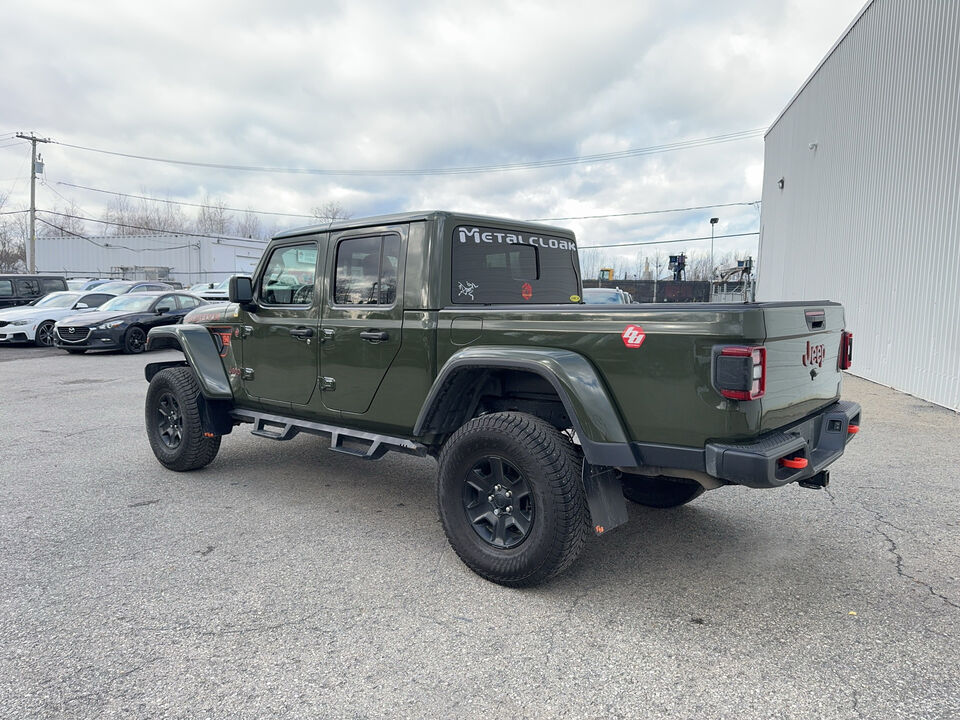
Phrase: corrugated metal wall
x=869 y=212
x=192 y=259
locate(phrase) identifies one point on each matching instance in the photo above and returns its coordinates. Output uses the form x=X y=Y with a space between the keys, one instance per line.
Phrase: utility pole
x=32 y=248
x=713 y=224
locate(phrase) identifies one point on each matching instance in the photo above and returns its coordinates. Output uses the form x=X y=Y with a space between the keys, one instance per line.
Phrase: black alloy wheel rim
x=136 y=340
x=498 y=503
x=169 y=421
x=45 y=334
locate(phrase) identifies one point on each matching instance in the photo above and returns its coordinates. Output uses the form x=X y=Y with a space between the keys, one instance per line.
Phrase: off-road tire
x=548 y=465
x=135 y=340
x=660 y=492
x=194 y=450
x=44 y=335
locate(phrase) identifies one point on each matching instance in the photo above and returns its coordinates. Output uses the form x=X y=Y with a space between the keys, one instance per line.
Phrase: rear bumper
x=819 y=439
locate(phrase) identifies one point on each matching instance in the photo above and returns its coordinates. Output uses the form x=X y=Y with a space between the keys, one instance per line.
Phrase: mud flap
x=604 y=493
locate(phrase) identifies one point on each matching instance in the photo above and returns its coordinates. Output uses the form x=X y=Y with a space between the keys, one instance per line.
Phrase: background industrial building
x=861 y=194
x=188 y=259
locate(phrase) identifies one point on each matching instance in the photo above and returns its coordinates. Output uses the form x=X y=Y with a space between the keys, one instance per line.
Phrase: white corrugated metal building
x=861 y=194
x=186 y=258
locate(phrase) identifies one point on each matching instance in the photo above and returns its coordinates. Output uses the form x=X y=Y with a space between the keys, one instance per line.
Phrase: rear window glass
x=6 y=288
x=496 y=266
x=52 y=284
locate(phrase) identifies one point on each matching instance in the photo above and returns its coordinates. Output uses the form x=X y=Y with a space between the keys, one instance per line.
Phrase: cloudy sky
x=362 y=93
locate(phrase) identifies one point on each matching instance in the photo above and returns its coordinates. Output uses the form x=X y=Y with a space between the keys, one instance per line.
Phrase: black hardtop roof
x=397 y=218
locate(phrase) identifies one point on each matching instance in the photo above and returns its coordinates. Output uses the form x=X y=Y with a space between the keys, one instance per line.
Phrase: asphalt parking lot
x=288 y=581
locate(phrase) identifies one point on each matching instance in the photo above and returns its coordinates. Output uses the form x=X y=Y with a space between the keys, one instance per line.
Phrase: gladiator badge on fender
x=633 y=336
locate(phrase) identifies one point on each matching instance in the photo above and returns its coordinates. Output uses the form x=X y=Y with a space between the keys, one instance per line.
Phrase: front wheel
x=661 y=491
x=173 y=421
x=511 y=500
x=44 y=335
x=134 y=341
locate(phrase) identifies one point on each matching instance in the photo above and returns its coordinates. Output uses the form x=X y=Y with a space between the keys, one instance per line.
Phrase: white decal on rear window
x=467 y=289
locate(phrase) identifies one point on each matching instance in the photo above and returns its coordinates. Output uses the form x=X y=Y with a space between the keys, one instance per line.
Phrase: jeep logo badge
x=814 y=355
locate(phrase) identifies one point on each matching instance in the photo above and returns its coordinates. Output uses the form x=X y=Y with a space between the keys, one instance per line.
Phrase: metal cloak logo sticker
x=633 y=336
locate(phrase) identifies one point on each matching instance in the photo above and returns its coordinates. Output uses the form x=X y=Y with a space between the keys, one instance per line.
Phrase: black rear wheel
x=511 y=500
x=660 y=491
x=173 y=421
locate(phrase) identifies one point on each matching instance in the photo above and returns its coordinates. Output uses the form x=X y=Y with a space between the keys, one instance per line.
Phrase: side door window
x=289 y=276
x=6 y=288
x=50 y=285
x=188 y=303
x=169 y=302
x=367 y=271
x=94 y=300
x=28 y=287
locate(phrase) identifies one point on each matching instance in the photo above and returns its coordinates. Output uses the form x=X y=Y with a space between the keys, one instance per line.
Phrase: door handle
x=374 y=335
x=301 y=333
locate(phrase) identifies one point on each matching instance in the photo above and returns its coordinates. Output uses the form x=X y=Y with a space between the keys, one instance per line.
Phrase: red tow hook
x=795 y=463
x=853 y=429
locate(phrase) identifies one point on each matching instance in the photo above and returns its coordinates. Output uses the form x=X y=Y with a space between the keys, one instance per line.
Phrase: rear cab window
x=512 y=267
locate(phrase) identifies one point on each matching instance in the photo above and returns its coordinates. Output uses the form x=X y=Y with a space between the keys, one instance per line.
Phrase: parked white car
x=34 y=323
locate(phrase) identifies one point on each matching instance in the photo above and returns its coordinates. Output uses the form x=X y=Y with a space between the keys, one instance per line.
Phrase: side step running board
x=369 y=446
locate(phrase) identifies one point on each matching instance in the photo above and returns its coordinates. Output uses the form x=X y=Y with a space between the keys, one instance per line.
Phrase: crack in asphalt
x=894 y=549
x=898 y=557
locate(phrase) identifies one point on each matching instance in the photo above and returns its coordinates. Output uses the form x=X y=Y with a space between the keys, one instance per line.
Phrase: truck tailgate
x=803 y=345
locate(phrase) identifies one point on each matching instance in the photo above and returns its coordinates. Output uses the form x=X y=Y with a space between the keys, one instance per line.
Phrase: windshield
x=601 y=297
x=114 y=287
x=223 y=285
x=129 y=303
x=58 y=300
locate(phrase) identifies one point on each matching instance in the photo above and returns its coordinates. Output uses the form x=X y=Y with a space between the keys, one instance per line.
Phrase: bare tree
x=249 y=226
x=67 y=222
x=213 y=218
x=331 y=210
x=13 y=253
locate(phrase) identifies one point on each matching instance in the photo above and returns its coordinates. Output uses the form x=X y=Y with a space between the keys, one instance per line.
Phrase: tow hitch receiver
x=817 y=482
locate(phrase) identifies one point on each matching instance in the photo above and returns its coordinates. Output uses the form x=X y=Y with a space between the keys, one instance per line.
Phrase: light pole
x=713 y=223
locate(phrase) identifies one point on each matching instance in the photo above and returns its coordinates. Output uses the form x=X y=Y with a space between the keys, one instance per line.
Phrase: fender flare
x=200 y=351
x=583 y=394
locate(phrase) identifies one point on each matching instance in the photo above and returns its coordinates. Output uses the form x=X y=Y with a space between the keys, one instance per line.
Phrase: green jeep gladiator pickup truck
x=465 y=338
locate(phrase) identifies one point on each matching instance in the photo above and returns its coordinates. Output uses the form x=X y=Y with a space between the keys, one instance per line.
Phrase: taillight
x=845 y=359
x=740 y=373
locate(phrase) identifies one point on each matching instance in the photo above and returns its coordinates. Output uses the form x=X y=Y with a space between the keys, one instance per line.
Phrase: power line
x=113 y=246
x=666 y=242
x=144 y=227
x=13 y=212
x=467 y=170
x=178 y=202
x=298 y=215
x=644 y=212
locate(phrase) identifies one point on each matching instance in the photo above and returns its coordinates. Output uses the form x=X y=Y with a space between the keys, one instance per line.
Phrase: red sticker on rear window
x=526 y=292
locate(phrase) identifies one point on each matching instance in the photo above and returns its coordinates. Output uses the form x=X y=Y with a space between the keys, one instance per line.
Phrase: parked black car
x=123 y=322
x=16 y=290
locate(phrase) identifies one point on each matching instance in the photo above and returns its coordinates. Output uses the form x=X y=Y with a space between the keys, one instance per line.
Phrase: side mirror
x=163 y=310
x=240 y=290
